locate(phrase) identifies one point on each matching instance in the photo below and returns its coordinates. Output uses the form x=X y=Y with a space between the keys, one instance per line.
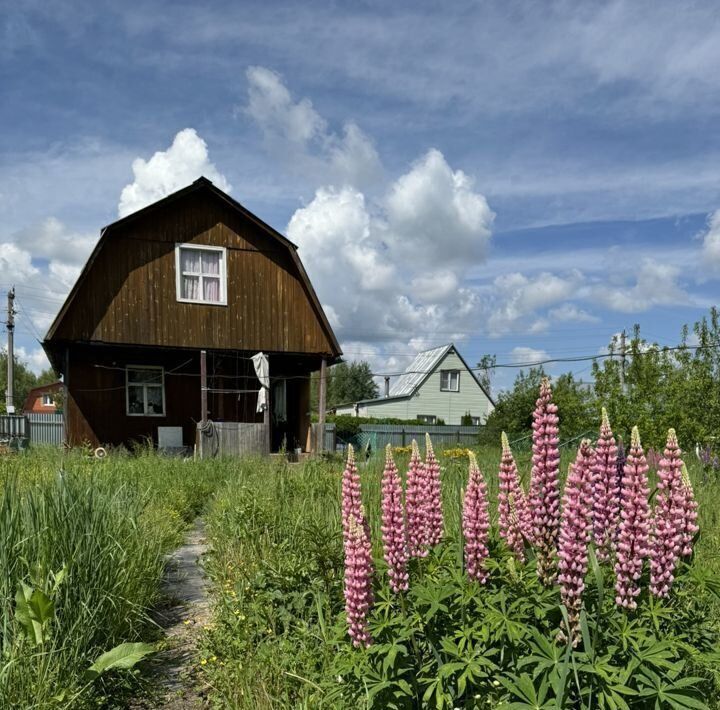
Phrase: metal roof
x=416 y=372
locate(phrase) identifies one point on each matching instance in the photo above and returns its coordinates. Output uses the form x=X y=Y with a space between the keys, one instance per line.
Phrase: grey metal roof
x=416 y=372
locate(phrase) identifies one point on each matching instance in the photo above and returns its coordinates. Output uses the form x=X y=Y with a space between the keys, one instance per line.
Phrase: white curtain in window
x=211 y=262
x=191 y=288
x=211 y=288
x=190 y=261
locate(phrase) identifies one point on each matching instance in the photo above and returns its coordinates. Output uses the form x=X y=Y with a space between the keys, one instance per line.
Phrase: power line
x=330 y=375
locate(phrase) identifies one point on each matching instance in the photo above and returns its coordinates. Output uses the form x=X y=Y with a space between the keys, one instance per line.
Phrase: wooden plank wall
x=96 y=402
x=129 y=295
x=232 y=439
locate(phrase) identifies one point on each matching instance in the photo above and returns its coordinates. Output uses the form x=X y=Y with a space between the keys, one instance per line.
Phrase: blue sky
x=524 y=178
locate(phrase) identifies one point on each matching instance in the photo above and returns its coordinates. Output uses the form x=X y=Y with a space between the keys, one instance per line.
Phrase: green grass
x=275 y=564
x=108 y=524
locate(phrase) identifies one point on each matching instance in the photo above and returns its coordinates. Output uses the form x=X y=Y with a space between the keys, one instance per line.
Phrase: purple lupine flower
x=475 y=523
x=606 y=491
x=545 y=482
x=415 y=504
x=394 y=534
x=358 y=582
x=514 y=517
x=668 y=520
x=633 y=536
x=690 y=515
x=351 y=494
x=433 y=502
x=575 y=533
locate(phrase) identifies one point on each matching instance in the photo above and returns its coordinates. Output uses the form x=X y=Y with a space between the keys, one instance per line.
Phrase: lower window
x=145 y=390
x=427 y=418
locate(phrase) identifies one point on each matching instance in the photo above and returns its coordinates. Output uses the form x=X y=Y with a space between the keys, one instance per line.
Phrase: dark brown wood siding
x=96 y=410
x=129 y=294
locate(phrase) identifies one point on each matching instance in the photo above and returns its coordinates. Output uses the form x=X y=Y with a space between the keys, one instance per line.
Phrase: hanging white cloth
x=262 y=370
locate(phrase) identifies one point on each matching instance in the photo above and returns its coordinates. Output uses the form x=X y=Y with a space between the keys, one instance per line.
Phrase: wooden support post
x=322 y=398
x=203 y=387
x=203 y=401
x=66 y=401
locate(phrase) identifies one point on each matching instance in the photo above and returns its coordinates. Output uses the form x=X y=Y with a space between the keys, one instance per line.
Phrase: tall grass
x=108 y=525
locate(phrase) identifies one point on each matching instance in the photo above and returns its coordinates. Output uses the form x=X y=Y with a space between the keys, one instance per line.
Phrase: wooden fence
x=232 y=439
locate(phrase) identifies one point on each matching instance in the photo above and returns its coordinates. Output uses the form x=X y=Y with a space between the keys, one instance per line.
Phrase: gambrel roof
x=101 y=267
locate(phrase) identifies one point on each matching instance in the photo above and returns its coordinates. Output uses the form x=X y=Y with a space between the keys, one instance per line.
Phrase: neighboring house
x=42 y=399
x=195 y=271
x=437 y=386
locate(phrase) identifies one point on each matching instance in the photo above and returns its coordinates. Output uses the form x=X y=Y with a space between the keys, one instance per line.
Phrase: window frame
x=222 y=275
x=43 y=403
x=477 y=421
x=449 y=388
x=144 y=385
x=421 y=417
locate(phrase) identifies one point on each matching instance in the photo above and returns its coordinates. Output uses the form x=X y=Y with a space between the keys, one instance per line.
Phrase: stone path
x=186 y=587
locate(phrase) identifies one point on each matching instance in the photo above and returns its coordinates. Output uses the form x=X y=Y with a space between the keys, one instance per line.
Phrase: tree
x=576 y=403
x=351 y=382
x=486 y=369
x=347 y=382
x=513 y=409
x=678 y=388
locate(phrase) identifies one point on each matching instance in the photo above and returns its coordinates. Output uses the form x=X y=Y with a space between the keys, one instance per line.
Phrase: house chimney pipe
x=387 y=386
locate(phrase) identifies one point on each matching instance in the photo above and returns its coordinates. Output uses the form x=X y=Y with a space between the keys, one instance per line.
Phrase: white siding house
x=437 y=386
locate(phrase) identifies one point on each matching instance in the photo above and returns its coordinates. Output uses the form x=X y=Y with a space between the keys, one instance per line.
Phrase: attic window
x=47 y=400
x=449 y=380
x=201 y=274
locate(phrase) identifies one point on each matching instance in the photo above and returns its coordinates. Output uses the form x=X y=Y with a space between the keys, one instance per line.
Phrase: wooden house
x=157 y=336
x=437 y=386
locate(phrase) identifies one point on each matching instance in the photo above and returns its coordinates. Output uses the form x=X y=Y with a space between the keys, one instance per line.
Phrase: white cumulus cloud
x=297 y=133
x=169 y=170
x=655 y=284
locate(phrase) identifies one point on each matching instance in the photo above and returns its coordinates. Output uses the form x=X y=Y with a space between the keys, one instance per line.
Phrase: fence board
x=233 y=439
x=45 y=428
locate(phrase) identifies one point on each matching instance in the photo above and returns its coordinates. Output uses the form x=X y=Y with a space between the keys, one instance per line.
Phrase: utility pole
x=10 y=391
x=622 y=362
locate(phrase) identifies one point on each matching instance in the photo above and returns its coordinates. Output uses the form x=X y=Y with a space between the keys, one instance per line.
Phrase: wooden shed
x=157 y=337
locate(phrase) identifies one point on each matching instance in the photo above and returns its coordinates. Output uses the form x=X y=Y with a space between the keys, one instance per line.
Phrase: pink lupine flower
x=475 y=523
x=515 y=519
x=545 y=482
x=633 y=535
x=669 y=519
x=575 y=533
x=606 y=491
x=415 y=504
x=690 y=515
x=433 y=502
x=358 y=582
x=394 y=535
x=351 y=494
